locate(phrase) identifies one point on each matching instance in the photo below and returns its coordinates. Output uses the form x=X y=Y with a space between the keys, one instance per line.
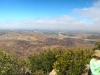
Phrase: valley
x=25 y=43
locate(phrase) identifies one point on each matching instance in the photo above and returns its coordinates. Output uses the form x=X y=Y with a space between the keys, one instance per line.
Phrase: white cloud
x=93 y=14
x=61 y=22
x=85 y=9
x=90 y=21
x=96 y=4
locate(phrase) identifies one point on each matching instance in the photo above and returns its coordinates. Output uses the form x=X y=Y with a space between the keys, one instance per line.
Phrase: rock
x=53 y=72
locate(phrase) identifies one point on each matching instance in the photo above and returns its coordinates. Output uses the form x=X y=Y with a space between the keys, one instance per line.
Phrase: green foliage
x=42 y=61
x=5 y=63
x=39 y=72
x=97 y=45
x=65 y=61
x=9 y=65
x=72 y=62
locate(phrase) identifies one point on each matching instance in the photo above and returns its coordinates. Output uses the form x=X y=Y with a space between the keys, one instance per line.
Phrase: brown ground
x=25 y=43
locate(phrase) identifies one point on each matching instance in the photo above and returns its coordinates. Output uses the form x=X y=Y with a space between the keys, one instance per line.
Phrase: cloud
x=60 y=22
x=89 y=21
x=92 y=14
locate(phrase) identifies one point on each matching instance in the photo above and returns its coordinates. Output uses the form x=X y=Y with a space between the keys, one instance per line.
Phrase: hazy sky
x=50 y=14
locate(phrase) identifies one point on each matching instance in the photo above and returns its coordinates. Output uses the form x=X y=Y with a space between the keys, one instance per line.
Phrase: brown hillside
x=27 y=43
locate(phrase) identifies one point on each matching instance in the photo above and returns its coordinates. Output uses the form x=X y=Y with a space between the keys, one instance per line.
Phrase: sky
x=50 y=14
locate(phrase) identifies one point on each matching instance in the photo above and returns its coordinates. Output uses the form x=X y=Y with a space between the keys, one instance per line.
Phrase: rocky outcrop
x=53 y=72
